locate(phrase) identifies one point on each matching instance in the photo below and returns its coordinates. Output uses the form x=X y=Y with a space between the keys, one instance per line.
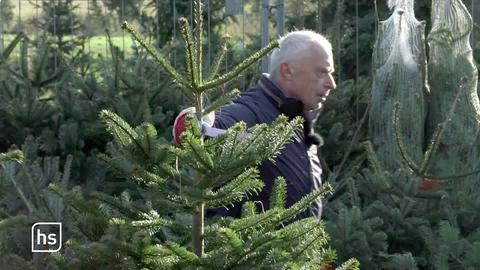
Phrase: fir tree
x=60 y=21
x=164 y=225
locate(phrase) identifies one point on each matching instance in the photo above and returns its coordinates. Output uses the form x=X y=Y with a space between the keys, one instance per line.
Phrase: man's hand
x=179 y=126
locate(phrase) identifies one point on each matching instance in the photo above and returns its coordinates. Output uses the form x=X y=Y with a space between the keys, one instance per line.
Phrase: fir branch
x=148 y=178
x=18 y=262
x=354 y=140
x=448 y=178
x=42 y=62
x=132 y=211
x=79 y=82
x=258 y=243
x=278 y=197
x=190 y=53
x=255 y=220
x=12 y=222
x=441 y=129
x=275 y=216
x=239 y=68
x=282 y=134
x=228 y=146
x=179 y=200
x=53 y=78
x=158 y=57
x=75 y=201
x=147 y=137
x=232 y=143
x=218 y=59
x=235 y=190
x=232 y=239
x=437 y=136
x=153 y=225
x=252 y=140
x=168 y=170
x=199 y=153
x=372 y=157
x=315 y=237
x=116 y=63
x=351 y=264
x=114 y=164
x=7 y=51
x=14 y=155
x=248 y=209
x=159 y=257
x=34 y=189
x=121 y=130
x=303 y=204
x=24 y=59
x=22 y=196
x=224 y=99
x=432 y=147
x=401 y=147
x=118 y=127
x=183 y=253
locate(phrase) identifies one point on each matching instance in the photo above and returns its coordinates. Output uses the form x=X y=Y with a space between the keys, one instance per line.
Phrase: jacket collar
x=291 y=107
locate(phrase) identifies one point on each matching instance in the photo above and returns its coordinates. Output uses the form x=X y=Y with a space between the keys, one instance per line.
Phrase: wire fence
x=89 y=19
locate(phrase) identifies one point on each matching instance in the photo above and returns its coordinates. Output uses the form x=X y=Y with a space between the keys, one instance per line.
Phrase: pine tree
x=163 y=225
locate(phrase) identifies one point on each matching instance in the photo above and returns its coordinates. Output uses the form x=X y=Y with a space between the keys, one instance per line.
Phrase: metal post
x=19 y=16
x=106 y=37
x=319 y=17
x=1 y=28
x=264 y=31
x=281 y=17
x=191 y=14
x=243 y=42
x=357 y=61
x=174 y=33
x=209 y=58
x=56 y=48
x=157 y=23
x=36 y=17
x=89 y=38
x=473 y=19
x=71 y=20
x=122 y=14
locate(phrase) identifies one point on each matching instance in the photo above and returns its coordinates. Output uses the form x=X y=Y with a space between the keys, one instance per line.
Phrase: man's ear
x=286 y=71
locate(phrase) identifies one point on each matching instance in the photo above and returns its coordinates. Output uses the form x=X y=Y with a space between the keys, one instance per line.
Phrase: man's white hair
x=294 y=46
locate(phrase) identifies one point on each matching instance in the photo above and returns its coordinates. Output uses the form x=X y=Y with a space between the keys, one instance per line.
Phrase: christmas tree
x=161 y=222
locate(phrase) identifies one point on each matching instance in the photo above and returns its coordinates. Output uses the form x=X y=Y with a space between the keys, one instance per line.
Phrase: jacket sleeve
x=234 y=113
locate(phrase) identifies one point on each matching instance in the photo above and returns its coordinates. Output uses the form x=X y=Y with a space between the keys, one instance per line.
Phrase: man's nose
x=330 y=83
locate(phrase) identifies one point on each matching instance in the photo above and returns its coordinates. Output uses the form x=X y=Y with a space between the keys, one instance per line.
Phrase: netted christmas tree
x=416 y=204
x=161 y=224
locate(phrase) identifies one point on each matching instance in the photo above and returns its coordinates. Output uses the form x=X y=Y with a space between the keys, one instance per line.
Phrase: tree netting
x=452 y=71
x=399 y=77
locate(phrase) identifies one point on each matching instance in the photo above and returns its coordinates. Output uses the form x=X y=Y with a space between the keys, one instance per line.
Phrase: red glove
x=179 y=126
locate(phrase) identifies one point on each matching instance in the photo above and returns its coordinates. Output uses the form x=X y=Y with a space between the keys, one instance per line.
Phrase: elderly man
x=299 y=82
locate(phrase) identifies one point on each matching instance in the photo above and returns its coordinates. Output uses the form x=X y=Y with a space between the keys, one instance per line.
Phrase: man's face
x=312 y=78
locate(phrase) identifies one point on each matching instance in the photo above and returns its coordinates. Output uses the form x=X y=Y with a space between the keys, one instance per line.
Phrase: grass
x=27 y=9
x=97 y=45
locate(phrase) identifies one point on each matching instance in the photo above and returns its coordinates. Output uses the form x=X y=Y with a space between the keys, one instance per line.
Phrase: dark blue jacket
x=298 y=162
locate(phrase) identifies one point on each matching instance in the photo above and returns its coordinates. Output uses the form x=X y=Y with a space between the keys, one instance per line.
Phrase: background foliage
x=52 y=88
